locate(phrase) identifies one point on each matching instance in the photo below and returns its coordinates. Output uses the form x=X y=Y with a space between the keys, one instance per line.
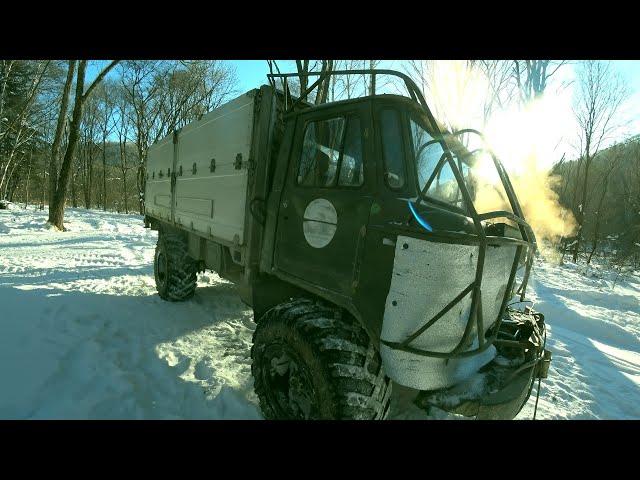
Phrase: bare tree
x=532 y=76
x=105 y=94
x=57 y=140
x=433 y=77
x=314 y=89
x=303 y=79
x=346 y=86
x=124 y=114
x=615 y=156
x=56 y=206
x=601 y=93
x=137 y=78
x=189 y=90
x=505 y=81
x=500 y=86
x=89 y=148
x=325 y=82
x=370 y=80
x=16 y=129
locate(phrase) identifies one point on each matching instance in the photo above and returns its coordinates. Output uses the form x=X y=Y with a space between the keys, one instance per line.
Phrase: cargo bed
x=207 y=163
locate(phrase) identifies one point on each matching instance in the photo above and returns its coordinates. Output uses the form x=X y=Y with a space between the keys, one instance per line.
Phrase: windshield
x=437 y=181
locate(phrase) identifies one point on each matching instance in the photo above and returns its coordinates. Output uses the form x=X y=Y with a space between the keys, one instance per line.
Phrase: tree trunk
x=124 y=182
x=141 y=183
x=44 y=183
x=55 y=147
x=303 y=68
x=26 y=201
x=583 y=205
x=56 y=209
x=85 y=191
x=13 y=187
x=6 y=174
x=74 y=191
x=88 y=177
x=372 y=84
x=90 y=181
x=596 y=230
x=140 y=174
x=323 y=88
x=104 y=174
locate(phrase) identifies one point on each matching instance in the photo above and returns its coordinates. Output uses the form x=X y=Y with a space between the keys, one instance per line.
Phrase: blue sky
x=630 y=70
x=251 y=73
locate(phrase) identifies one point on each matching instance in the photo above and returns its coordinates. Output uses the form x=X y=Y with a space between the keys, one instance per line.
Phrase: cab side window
x=331 y=153
x=428 y=156
x=392 y=148
x=351 y=172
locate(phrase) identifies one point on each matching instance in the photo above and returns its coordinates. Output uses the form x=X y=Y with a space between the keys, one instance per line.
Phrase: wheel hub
x=289 y=386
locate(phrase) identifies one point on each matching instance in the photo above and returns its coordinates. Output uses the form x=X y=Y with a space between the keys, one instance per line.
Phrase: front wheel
x=310 y=361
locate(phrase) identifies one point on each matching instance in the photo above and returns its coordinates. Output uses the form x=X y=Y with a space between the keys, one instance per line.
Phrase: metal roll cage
x=291 y=103
x=480 y=238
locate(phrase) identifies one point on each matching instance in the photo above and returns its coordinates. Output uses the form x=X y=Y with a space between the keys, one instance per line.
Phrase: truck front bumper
x=501 y=388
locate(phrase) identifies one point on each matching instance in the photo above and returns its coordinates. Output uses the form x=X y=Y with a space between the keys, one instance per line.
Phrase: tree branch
x=99 y=79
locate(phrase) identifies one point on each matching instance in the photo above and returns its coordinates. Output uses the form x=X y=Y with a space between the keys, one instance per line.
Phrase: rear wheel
x=174 y=269
x=310 y=361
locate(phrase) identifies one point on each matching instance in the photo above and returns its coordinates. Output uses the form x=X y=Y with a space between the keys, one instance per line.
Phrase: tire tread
x=360 y=388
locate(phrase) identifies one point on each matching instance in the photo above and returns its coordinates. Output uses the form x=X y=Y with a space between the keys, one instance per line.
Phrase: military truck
x=351 y=230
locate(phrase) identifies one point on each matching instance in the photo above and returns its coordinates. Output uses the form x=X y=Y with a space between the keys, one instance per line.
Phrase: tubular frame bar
x=414 y=92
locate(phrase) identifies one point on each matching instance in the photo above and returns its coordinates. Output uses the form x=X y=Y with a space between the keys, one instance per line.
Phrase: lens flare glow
x=525 y=139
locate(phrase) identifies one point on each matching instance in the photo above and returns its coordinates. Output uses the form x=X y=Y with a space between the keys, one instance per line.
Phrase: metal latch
x=238 y=163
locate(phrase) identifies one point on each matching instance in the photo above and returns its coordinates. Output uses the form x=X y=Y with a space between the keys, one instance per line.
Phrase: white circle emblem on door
x=319 y=222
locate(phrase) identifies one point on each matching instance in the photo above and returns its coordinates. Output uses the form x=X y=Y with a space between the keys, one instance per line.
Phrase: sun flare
x=524 y=137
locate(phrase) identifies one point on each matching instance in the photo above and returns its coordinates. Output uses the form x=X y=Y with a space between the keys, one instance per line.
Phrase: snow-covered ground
x=83 y=333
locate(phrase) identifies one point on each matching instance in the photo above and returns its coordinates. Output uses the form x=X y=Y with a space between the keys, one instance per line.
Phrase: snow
x=83 y=333
x=594 y=335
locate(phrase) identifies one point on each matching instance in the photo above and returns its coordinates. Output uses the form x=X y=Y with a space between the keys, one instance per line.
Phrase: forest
x=76 y=132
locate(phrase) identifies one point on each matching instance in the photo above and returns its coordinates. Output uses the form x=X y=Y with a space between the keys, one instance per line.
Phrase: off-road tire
x=345 y=370
x=174 y=270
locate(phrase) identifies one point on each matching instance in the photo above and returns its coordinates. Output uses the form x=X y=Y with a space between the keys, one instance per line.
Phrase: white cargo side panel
x=210 y=192
x=158 y=184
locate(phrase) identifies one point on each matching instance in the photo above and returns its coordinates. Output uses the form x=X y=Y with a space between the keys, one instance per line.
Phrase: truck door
x=327 y=197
